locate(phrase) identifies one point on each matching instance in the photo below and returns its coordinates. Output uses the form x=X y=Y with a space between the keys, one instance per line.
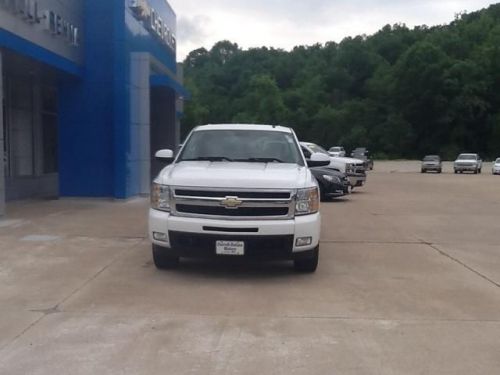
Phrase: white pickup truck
x=237 y=191
x=468 y=163
x=353 y=168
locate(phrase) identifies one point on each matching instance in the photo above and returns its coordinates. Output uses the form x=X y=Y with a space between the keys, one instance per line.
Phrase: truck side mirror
x=165 y=156
x=318 y=160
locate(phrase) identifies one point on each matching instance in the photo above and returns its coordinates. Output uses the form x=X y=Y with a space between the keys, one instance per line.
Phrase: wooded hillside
x=400 y=92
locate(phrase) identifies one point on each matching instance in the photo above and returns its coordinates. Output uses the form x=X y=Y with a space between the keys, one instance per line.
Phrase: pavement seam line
x=22 y=332
x=56 y=307
x=88 y=281
x=291 y=317
x=466 y=266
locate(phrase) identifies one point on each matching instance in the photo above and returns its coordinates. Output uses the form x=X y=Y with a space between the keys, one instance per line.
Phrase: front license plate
x=230 y=248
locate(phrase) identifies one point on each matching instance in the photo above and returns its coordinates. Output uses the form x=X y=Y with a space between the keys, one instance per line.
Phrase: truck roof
x=276 y=128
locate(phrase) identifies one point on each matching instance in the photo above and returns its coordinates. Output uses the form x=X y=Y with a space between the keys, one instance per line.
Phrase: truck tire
x=162 y=260
x=440 y=171
x=307 y=265
x=422 y=171
x=476 y=171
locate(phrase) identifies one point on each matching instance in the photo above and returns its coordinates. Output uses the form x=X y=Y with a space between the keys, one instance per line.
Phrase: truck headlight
x=307 y=201
x=160 y=197
x=331 y=178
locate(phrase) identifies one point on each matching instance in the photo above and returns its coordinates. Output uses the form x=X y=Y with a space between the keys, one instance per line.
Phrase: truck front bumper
x=197 y=237
x=466 y=168
x=356 y=179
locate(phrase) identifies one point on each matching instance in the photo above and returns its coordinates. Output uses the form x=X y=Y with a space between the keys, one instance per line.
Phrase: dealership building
x=89 y=90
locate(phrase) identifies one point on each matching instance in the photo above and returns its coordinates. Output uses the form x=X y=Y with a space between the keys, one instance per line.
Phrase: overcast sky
x=287 y=23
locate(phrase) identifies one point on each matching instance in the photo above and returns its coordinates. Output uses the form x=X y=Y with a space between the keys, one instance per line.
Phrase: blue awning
x=167 y=81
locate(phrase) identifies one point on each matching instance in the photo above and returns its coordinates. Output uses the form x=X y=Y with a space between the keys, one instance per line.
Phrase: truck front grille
x=222 y=211
x=234 y=204
x=227 y=193
x=359 y=168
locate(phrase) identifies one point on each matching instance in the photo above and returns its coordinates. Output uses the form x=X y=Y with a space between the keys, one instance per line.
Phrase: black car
x=332 y=183
x=362 y=153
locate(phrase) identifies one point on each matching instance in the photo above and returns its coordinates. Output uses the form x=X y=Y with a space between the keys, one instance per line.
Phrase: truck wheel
x=440 y=171
x=422 y=171
x=476 y=171
x=162 y=260
x=307 y=265
x=480 y=171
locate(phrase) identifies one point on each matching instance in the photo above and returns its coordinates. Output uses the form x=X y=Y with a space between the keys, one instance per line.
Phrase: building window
x=20 y=124
x=49 y=130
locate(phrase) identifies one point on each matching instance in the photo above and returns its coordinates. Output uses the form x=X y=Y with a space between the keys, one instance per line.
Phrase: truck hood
x=348 y=160
x=237 y=175
x=466 y=161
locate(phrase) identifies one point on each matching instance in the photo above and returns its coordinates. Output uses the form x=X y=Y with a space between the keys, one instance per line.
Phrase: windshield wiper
x=261 y=160
x=209 y=158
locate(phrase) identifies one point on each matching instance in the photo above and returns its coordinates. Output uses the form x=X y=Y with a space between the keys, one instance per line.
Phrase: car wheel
x=162 y=260
x=422 y=171
x=476 y=171
x=307 y=265
x=480 y=171
x=440 y=171
x=456 y=171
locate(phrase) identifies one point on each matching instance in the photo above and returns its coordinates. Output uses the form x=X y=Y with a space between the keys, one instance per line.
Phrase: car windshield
x=467 y=157
x=317 y=149
x=431 y=158
x=255 y=146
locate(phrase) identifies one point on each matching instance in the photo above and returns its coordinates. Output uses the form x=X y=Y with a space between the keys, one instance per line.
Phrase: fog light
x=303 y=241
x=162 y=237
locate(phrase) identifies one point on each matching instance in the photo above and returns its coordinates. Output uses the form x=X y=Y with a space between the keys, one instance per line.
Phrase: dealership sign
x=152 y=20
x=52 y=22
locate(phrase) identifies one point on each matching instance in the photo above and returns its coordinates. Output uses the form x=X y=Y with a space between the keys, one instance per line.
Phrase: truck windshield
x=254 y=146
x=467 y=157
x=317 y=149
x=431 y=158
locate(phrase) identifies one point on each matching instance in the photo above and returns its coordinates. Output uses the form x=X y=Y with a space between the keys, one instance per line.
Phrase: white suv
x=237 y=191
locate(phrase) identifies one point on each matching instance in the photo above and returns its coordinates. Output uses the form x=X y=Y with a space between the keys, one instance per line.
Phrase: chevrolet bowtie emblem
x=231 y=202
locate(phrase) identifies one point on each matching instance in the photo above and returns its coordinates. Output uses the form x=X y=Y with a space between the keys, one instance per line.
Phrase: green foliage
x=400 y=92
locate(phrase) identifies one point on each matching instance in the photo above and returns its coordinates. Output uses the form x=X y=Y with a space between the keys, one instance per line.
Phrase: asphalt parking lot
x=408 y=283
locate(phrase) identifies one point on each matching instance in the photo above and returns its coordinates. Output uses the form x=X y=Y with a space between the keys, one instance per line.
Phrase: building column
x=2 y=151
x=140 y=153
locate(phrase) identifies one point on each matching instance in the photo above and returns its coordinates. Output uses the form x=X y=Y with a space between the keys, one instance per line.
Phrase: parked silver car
x=468 y=163
x=432 y=163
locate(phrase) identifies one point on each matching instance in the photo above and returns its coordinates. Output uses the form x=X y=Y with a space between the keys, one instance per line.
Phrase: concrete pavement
x=408 y=283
